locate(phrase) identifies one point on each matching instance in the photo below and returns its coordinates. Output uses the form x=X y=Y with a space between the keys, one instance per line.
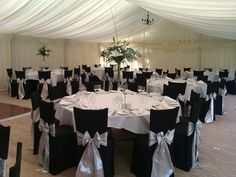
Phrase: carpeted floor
x=217 y=151
x=9 y=110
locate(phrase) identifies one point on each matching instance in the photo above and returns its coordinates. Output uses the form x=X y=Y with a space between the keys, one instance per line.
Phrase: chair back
x=64 y=67
x=194 y=97
x=178 y=72
x=4 y=141
x=91 y=120
x=44 y=75
x=159 y=71
x=133 y=86
x=15 y=170
x=198 y=73
x=35 y=99
x=163 y=120
x=68 y=73
x=88 y=69
x=195 y=111
x=9 y=72
x=20 y=75
x=170 y=91
x=202 y=78
x=47 y=112
x=127 y=74
x=179 y=87
x=109 y=71
x=147 y=74
x=223 y=74
x=77 y=71
x=171 y=75
x=56 y=92
x=187 y=69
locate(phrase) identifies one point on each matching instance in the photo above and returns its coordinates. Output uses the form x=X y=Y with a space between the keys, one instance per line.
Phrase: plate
x=123 y=112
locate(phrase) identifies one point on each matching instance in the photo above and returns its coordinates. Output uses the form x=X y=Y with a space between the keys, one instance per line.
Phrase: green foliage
x=120 y=52
x=43 y=51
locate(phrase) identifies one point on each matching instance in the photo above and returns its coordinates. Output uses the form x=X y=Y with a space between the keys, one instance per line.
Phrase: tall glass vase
x=43 y=62
x=118 y=72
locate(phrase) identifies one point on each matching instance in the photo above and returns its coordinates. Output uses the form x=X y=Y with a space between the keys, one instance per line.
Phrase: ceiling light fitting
x=147 y=20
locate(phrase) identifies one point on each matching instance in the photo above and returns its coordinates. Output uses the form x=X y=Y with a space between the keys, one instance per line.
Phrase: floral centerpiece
x=43 y=51
x=119 y=52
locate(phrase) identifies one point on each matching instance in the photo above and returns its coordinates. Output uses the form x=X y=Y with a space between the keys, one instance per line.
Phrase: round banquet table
x=133 y=117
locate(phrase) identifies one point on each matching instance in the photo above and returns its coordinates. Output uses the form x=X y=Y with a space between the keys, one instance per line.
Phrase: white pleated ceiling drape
x=92 y=20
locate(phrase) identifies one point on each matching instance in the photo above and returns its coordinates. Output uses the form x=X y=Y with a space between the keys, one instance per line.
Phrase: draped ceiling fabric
x=92 y=20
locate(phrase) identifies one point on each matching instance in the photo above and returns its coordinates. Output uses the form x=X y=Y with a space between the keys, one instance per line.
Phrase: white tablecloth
x=56 y=76
x=156 y=85
x=134 y=119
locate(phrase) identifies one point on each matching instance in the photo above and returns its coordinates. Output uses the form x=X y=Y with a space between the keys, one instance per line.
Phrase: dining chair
x=171 y=75
x=231 y=87
x=179 y=87
x=198 y=73
x=95 y=146
x=159 y=71
x=141 y=80
x=67 y=81
x=23 y=86
x=4 y=147
x=170 y=91
x=152 y=154
x=35 y=115
x=186 y=141
x=178 y=72
x=187 y=69
x=147 y=74
x=12 y=83
x=223 y=73
x=59 y=141
x=109 y=72
x=16 y=169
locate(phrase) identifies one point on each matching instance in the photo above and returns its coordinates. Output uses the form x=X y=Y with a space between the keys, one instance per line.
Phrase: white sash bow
x=3 y=168
x=90 y=164
x=195 y=128
x=9 y=85
x=44 y=143
x=21 y=90
x=44 y=92
x=110 y=86
x=87 y=77
x=68 y=85
x=161 y=162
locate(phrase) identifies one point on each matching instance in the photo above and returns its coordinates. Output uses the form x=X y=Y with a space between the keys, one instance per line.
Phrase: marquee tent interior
x=196 y=33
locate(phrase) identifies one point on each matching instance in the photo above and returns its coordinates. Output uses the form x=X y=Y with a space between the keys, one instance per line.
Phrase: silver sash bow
x=35 y=115
x=195 y=128
x=44 y=92
x=161 y=161
x=21 y=90
x=210 y=113
x=87 y=77
x=90 y=164
x=3 y=168
x=44 y=143
x=110 y=86
x=68 y=85
x=9 y=85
